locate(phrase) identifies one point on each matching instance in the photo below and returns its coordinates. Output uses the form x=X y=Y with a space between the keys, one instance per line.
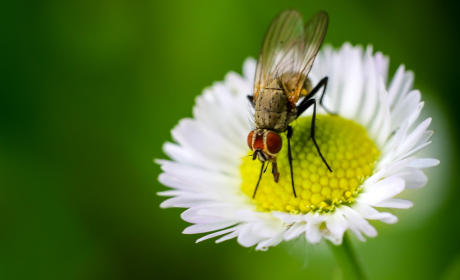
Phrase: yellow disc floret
x=346 y=147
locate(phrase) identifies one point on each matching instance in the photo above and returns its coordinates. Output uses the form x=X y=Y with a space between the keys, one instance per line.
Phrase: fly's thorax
x=272 y=110
x=265 y=143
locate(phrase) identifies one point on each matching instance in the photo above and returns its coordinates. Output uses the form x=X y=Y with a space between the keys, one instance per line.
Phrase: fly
x=288 y=52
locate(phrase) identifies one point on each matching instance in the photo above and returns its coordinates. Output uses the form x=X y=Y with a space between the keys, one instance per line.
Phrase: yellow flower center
x=345 y=146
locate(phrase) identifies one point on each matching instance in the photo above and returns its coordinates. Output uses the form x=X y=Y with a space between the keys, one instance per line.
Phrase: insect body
x=287 y=55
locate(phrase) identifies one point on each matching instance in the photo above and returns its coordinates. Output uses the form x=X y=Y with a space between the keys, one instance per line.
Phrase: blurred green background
x=91 y=89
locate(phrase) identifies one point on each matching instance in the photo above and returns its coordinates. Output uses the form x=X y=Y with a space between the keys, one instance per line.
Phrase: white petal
x=183 y=202
x=384 y=130
x=371 y=214
x=228 y=236
x=353 y=228
x=200 y=228
x=405 y=108
x=422 y=163
x=223 y=210
x=413 y=117
x=337 y=226
x=400 y=85
x=287 y=218
x=249 y=69
x=395 y=167
x=178 y=153
x=354 y=218
x=170 y=193
x=196 y=188
x=425 y=137
x=391 y=148
x=248 y=237
x=381 y=64
x=192 y=216
x=395 y=203
x=294 y=231
x=415 y=150
x=411 y=139
x=382 y=190
x=267 y=228
x=352 y=87
x=312 y=233
x=273 y=241
x=315 y=218
x=236 y=83
x=379 y=127
x=413 y=177
x=396 y=83
x=248 y=215
x=201 y=140
x=204 y=176
x=371 y=90
x=215 y=234
x=234 y=121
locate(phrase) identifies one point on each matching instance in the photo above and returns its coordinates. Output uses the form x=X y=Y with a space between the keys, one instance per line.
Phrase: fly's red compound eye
x=273 y=143
x=250 y=136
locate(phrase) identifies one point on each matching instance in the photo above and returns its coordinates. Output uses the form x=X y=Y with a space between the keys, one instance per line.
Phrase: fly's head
x=265 y=144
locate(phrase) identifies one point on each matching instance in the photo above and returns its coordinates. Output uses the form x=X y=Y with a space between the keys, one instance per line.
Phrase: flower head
x=371 y=145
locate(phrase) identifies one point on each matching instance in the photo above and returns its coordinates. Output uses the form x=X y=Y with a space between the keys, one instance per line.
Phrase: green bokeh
x=91 y=89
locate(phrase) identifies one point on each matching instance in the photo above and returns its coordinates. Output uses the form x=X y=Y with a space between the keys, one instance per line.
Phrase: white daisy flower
x=371 y=145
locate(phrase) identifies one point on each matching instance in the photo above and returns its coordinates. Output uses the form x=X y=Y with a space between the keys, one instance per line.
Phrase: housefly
x=287 y=55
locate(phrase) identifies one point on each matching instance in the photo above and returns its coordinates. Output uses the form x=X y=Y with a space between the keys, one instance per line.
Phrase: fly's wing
x=314 y=33
x=281 y=48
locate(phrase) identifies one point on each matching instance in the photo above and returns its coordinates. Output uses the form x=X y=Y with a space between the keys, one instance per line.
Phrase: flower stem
x=346 y=258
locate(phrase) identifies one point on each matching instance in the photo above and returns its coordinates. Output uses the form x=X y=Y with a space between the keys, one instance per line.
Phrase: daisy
x=371 y=144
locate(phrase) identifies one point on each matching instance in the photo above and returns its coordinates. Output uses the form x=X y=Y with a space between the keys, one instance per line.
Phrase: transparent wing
x=281 y=48
x=314 y=33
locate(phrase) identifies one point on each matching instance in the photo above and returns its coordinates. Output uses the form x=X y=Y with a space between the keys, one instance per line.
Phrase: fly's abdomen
x=271 y=110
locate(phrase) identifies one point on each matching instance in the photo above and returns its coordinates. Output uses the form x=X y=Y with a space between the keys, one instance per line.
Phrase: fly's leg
x=258 y=181
x=290 y=131
x=305 y=106
x=266 y=168
x=276 y=174
x=322 y=84
x=318 y=86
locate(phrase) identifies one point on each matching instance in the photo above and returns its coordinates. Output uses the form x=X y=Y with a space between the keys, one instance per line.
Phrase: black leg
x=325 y=79
x=312 y=131
x=266 y=167
x=301 y=108
x=258 y=181
x=251 y=99
x=276 y=174
x=289 y=136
